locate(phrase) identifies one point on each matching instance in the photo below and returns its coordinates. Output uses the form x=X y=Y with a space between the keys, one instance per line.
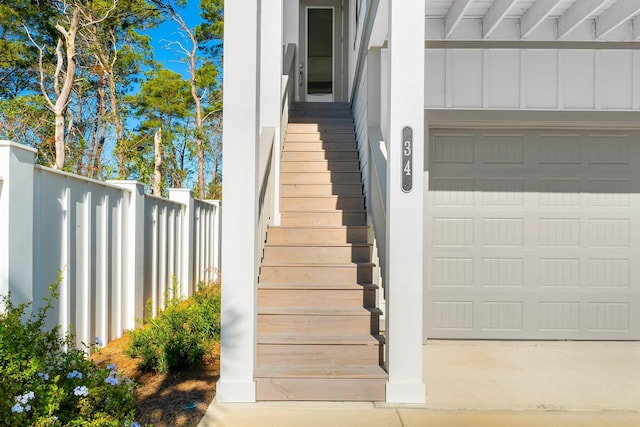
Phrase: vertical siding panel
x=155 y=247
x=435 y=81
x=636 y=79
x=117 y=234
x=101 y=256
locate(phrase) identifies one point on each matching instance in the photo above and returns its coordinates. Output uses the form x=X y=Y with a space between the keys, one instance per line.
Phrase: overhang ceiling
x=539 y=20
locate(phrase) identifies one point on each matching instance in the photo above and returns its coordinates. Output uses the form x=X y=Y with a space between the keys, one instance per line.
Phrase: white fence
x=114 y=247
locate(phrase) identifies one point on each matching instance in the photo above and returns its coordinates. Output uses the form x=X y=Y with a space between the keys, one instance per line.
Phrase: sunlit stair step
x=315 y=235
x=313 y=273
x=303 y=190
x=323 y=218
x=319 y=146
x=330 y=155
x=348 y=202
x=318 y=320
x=342 y=253
x=320 y=166
x=309 y=297
x=326 y=351
x=323 y=177
x=328 y=384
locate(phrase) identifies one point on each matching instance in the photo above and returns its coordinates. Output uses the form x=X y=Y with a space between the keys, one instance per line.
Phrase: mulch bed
x=175 y=399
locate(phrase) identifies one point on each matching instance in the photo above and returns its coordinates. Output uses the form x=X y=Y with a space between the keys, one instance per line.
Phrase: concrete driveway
x=484 y=384
x=517 y=375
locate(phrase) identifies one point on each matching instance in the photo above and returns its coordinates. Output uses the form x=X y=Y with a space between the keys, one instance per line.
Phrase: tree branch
x=40 y=69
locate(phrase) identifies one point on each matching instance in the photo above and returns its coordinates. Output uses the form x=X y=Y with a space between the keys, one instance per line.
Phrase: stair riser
x=320 y=137
x=313 y=274
x=348 y=389
x=301 y=236
x=320 y=177
x=333 y=113
x=319 y=146
x=315 y=219
x=322 y=203
x=317 y=325
x=320 y=166
x=323 y=121
x=317 y=254
x=304 y=156
x=335 y=298
x=302 y=190
x=318 y=128
x=318 y=355
x=306 y=106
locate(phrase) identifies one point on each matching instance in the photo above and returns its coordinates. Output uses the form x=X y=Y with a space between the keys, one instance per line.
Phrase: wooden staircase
x=318 y=333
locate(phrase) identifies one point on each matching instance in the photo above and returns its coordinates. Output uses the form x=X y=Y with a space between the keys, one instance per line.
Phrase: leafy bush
x=46 y=381
x=181 y=334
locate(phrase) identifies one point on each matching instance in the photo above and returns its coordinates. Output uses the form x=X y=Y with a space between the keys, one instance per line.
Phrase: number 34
x=407 y=153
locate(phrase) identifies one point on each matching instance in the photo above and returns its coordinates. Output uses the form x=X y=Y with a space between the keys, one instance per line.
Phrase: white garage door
x=533 y=234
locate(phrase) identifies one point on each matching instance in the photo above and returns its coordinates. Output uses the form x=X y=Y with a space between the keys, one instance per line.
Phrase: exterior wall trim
x=462 y=118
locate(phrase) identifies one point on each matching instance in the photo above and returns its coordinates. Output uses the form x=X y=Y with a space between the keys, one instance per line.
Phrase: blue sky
x=169 y=31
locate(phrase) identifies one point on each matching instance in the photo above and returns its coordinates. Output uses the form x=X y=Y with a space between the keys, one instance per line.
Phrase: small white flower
x=43 y=375
x=23 y=399
x=17 y=408
x=81 y=390
x=27 y=408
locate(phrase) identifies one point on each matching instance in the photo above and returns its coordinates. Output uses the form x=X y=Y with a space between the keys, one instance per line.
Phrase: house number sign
x=407 y=159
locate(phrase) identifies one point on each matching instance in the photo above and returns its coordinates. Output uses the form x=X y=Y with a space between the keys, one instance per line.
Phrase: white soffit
x=537 y=20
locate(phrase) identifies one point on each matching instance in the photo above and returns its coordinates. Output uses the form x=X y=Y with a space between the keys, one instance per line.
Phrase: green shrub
x=181 y=334
x=46 y=381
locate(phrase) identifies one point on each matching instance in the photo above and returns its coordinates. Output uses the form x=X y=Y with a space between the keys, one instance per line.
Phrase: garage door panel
x=533 y=235
x=543 y=318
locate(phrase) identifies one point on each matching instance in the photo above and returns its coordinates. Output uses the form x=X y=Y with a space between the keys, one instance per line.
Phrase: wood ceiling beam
x=535 y=15
x=576 y=15
x=454 y=16
x=495 y=15
x=620 y=12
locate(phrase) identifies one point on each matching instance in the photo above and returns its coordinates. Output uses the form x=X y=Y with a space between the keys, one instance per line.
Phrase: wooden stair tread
x=321 y=372
x=300 y=339
x=313 y=264
x=324 y=286
x=320 y=311
x=319 y=105
x=322 y=211
x=316 y=245
x=320 y=227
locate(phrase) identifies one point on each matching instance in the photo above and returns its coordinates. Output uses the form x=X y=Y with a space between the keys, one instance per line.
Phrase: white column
x=404 y=209
x=185 y=274
x=16 y=221
x=271 y=84
x=132 y=254
x=240 y=194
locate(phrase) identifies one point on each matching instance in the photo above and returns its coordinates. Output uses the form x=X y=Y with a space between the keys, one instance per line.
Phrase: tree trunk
x=67 y=84
x=157 y=169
